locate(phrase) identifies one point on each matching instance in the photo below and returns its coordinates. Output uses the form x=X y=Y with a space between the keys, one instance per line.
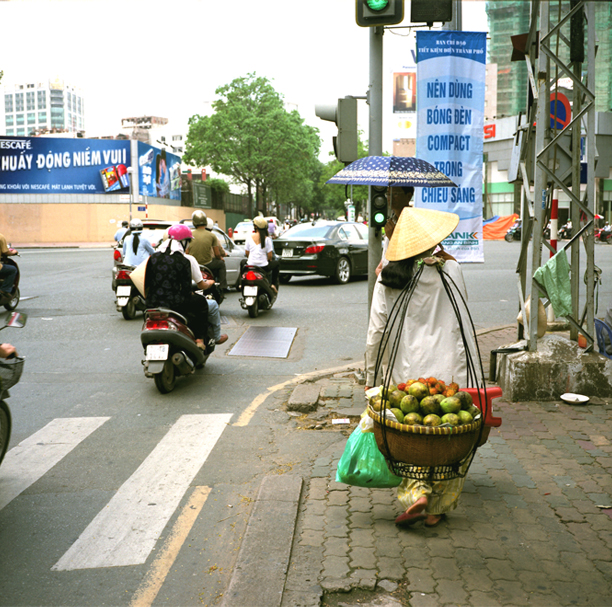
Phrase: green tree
x=253 y=140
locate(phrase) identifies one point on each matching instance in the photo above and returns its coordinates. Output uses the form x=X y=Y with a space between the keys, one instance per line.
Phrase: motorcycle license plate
x=124 y=291
x=250 y=291
x=287 y=253
x=157 y=351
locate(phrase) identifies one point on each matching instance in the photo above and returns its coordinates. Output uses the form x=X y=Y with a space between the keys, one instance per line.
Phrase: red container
x=484 y=402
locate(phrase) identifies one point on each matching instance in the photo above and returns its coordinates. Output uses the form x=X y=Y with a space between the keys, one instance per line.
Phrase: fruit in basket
x=376 y=402
x=413 y=419
x=465 y=417
x=465 y=398
x=439 y=397
x=431 y=420
x=399 y=416
x=450 y=418
x=395 y=398
x=450 y=404
x=419 y=390
x=409 y=404
x=474 y=411
x=401 y=387
x=430 y=405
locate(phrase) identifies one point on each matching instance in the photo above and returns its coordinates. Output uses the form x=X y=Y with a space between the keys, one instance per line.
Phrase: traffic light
x=378 y=206
x=431 y=11
x=344 y=115
x=370 y=13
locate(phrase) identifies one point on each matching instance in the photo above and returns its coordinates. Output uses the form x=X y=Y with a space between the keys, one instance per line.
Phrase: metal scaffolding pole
x=550 y=157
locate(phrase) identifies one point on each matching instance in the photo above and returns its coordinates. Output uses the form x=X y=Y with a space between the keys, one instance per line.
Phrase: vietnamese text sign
x=450 y=118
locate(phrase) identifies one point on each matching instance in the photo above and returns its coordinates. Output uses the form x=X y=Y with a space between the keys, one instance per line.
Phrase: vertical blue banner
x=450 y=119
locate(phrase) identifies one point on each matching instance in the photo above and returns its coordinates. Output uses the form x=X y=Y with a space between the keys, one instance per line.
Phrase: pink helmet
x=180 y=232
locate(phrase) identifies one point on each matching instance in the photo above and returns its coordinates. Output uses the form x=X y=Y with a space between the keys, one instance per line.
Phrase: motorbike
x=565 y=232
x=10 y=373
x=129 y=299
x=257 y=292
x=13 y=302
x=514 y=233
x=170 y=347
x=604 y=235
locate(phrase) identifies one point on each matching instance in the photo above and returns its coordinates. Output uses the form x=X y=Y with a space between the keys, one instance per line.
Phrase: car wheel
x=284 y=278
x=343 y=271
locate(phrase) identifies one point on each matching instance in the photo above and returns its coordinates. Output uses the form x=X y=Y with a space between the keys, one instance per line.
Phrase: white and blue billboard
x=450 y=118
x=48 y=165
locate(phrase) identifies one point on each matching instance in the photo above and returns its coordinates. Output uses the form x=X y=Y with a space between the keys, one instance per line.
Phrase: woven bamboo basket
x=424 y=445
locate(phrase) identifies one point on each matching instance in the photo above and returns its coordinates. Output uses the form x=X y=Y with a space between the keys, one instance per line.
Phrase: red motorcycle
x=604 y=234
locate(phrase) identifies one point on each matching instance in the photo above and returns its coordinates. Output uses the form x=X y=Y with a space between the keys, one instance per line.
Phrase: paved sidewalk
x=533 y=526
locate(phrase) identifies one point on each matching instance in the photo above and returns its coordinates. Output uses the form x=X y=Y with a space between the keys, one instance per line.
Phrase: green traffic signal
x=378 y=206
x=377 y=5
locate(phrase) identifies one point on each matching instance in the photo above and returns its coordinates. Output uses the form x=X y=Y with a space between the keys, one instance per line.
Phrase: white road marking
x=126 y=530
x=33 y=457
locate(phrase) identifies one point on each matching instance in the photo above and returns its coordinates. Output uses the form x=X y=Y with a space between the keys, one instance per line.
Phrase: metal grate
x=267 y=342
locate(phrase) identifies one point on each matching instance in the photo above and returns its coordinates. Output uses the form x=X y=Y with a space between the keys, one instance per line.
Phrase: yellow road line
x=249 y=412
x=153 y=581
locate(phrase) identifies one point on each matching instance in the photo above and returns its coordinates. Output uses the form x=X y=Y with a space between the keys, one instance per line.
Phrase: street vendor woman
x=431 y=341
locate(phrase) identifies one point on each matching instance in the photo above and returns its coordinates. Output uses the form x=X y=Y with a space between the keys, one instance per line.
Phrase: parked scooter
x=170 y=347
x=10 y=373
x=257 y=292
x=11 y=302
x=514 y=233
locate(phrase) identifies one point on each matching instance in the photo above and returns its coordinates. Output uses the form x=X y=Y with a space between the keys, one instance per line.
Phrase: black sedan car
x=338 y=249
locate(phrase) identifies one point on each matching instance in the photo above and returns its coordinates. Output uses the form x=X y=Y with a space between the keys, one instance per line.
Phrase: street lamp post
x=130 y=171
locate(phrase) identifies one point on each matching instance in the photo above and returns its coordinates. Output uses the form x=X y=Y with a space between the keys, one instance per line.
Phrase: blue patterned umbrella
x=392 y=171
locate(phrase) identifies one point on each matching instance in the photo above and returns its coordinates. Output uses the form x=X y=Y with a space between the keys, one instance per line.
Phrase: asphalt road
x=113 y=494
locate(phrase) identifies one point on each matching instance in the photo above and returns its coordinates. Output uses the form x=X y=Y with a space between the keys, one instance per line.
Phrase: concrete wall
x=79 y=222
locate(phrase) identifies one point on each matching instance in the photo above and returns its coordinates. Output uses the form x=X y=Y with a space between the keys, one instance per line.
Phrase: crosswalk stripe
x=126 y=530
x=33 y=457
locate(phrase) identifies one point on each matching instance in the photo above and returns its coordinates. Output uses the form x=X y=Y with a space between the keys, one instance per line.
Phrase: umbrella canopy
x=392 y=171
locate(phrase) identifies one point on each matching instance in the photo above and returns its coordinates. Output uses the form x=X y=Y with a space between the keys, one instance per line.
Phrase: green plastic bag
x=363 y=465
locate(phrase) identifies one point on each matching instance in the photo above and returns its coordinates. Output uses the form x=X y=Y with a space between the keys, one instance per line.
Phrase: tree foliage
x=253 y=140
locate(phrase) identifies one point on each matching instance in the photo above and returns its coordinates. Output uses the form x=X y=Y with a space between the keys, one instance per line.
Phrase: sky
x=167 y=58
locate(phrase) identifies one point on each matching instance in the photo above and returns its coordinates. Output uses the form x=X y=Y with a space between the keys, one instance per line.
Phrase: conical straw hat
x=419 y=230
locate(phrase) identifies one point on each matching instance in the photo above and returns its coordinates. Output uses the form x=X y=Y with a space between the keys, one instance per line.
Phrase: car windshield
x=244 y=225
x=309 y=231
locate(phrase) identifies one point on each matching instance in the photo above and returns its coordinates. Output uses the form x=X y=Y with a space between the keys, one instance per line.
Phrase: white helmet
x=136 y=225
x=199 y=218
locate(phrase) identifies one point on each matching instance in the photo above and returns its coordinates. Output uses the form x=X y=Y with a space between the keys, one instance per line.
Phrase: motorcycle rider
x=120 y=233
x=206 y=249
x=168 y=282
x=260 y=251
x=135 y=248
x=8 y=272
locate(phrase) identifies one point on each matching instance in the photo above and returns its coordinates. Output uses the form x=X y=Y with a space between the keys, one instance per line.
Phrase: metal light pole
x=375 y=148
x=130 y=171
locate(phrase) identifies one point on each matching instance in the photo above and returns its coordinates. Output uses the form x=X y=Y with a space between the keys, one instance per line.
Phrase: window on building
x=8 y=103
x=19 y=102
x=42 y=117
x=20 y=119
x=42 y=100
x=30 y=100
x=21 y=132
x=57 y=117
x=10 y=131
x=31 y=118
x=9 y=120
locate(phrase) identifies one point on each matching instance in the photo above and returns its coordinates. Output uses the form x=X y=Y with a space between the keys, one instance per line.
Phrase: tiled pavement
x=533 y=526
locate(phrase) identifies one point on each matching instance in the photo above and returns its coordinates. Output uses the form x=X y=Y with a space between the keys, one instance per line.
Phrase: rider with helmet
x=120 y=233
x=260 y=251
x=135 y=248
x=206 y=249
x=168 y=285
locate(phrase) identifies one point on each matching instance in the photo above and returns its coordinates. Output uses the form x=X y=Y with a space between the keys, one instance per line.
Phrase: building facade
x=36 y=108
